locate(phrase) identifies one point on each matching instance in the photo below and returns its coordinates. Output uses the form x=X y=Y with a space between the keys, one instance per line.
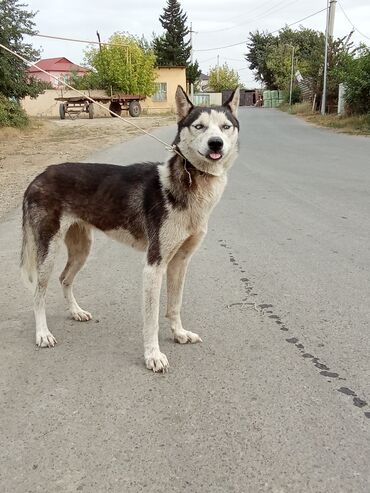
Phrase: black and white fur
x=161 y=209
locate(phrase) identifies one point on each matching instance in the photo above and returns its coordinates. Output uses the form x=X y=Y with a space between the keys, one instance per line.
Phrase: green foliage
x=12 y=114
x=15 y=21
x=193 y=72
x=270 y=56
x=296 y=95
x=354 y=72
x=223 y=78
x=124 y=65
x=171 y=48
x=279 y=62
x=271 y=59
x=259 y=46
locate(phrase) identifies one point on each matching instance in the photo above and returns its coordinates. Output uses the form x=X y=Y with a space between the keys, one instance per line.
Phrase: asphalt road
x=276 y=399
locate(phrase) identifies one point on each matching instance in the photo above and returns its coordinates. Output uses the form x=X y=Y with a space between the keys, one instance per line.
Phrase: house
x=203 y=82
x=167 y=80
x=59 y=67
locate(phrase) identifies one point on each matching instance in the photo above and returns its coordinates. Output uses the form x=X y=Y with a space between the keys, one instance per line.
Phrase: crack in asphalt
x=266 y=309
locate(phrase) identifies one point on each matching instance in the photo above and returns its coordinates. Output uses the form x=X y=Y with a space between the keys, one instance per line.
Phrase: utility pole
x=98 y=35
x=330 y=14
x=291 y=79
x=191 y=58
x=218 y=69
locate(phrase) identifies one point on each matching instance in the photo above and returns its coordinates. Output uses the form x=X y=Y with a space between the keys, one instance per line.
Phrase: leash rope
x=169 y=147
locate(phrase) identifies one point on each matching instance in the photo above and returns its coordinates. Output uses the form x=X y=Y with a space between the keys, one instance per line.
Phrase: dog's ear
x=183 y=103
x=233 y=102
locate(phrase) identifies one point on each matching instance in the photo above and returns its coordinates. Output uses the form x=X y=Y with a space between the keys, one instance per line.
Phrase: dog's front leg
x=176 y=272
x=152 y=281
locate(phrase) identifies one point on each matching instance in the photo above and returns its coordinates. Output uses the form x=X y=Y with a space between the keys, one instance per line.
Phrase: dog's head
x=208 y=137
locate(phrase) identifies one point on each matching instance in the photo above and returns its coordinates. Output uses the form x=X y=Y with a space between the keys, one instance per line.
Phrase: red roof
x=60 y=64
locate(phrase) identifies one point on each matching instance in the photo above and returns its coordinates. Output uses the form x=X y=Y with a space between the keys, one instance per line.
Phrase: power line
x=272 y=32
x=238 y=16
x=300 y=20
x=349 y=20
x=262 y=15
x=77 y=40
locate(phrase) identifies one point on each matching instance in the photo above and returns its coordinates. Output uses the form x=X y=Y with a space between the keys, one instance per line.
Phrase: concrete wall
x=46 y=106
x=207 y=99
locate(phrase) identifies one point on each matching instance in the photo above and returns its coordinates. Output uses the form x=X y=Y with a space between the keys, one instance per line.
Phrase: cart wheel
x=134 y=108
x=91 y=111
x=62 y=111
x=116 y=108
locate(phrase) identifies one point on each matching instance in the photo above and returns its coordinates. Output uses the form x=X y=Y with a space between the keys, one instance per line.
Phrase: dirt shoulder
x=349 y=124
x=25 y=153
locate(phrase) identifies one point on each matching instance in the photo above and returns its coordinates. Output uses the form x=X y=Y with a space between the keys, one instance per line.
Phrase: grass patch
x=354 y=124
x=297 y=109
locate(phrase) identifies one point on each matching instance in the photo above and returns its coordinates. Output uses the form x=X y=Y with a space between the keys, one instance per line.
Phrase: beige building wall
x=169 y=78
x=172 y=76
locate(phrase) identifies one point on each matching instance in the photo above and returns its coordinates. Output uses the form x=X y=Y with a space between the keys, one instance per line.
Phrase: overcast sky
x=217 y=23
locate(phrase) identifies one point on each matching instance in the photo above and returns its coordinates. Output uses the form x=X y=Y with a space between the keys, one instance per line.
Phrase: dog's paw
x=45 y=339
x=184 y=336
x=156 y=361
x=81 y=315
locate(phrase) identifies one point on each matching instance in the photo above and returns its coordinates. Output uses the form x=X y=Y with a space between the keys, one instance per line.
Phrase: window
x=160 y=92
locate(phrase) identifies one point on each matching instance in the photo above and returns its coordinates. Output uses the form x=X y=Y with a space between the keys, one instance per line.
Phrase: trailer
x=73 y=106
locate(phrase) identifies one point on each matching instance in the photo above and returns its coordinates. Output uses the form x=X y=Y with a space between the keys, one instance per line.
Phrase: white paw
x=156 y=361
x=184 y=336
x=45 y=339
x=81 y=315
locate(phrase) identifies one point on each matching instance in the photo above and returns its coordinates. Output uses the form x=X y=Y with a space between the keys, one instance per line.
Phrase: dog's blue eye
x=226 y=127
x=199 y=126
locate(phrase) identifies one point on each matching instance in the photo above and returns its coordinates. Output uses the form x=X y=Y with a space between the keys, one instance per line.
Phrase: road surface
x=276 y=399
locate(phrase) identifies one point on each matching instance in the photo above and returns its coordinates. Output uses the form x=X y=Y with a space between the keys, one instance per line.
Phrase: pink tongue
x=214 y=155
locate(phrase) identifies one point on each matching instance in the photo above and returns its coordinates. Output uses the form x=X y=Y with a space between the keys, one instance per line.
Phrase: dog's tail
x=28 y=252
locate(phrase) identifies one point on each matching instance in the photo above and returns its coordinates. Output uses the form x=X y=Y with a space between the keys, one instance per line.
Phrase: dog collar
x=188 y=167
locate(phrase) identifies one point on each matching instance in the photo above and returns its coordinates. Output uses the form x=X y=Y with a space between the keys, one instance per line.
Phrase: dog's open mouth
x=214 y=156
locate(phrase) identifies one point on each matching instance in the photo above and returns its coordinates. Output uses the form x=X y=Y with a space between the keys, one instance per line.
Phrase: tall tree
x=15 y=21
x=259 y=45
x=171 y=48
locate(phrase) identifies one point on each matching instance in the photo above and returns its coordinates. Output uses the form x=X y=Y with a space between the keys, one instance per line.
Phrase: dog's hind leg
x=176 y=272
x=44 y=338
x=78 y=240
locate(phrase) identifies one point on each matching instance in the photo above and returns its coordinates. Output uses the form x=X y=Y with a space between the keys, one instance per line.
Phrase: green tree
x=171 y=48
x=223 y=78
x=259 y=45
x=279 y=63
x=125 y=65
x=270 y=58
x=354 y=72
x=193 y=73
x=15 y=21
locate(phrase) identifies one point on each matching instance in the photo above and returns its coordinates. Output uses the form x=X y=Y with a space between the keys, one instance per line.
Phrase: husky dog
x=162 y=209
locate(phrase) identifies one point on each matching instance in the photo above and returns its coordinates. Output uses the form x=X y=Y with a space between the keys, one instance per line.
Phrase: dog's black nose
x=215 y=144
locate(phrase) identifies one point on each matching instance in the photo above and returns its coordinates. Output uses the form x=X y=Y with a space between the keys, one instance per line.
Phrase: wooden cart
x=75 y=105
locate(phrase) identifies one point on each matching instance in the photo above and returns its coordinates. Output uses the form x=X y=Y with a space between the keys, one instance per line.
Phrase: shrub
x=356 y=77
x=296 y=95
x=12 y=114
